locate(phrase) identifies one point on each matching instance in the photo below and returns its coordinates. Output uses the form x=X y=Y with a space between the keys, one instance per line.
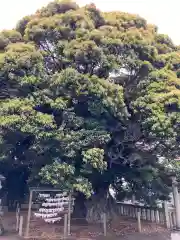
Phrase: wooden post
x=157 y=216
x=144 y=216
x=153 y=216
x=65 y=225
x=21 y=226
x=121 y=209
x=171 y=220
x=166 y=214
x=29 y=214
x=17 y=217
x=104 y=224
x=133 y=199
x=148 y=215
x=176 y=202
x=69 y=214
x=17 y=222
x=139 y=221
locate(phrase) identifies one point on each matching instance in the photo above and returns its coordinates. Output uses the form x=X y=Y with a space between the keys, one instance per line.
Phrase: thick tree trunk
x=97 y=206
x=79 y=208
x=92 y=209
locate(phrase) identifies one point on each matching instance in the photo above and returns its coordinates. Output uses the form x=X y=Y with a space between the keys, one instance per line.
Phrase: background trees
x=89 y=100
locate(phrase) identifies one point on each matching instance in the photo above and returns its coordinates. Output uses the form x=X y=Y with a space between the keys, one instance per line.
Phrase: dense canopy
x=90 y=100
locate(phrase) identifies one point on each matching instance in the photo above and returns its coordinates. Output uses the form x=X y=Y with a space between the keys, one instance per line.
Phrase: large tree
x=90 y=100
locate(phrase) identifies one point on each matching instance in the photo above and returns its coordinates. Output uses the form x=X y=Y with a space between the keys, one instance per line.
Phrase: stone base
x=175 y=236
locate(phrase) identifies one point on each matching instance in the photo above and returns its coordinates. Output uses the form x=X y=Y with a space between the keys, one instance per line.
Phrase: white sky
x=163 y=13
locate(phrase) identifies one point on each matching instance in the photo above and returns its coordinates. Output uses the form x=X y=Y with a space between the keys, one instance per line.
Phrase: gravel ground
x=143 y=236
x=119 y=229
x=154 y=236
x=135 y=236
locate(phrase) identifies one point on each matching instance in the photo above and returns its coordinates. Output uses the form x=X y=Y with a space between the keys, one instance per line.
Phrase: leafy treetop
x=90 y=99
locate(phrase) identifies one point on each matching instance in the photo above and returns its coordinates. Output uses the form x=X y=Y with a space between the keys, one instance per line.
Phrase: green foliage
x=89 y=98
x=9 y=36
x=21 y=25
x=95 y=158
x=58 y=174
x=57 y=7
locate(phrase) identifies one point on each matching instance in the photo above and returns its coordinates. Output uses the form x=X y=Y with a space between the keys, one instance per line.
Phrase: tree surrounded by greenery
x=89 y=100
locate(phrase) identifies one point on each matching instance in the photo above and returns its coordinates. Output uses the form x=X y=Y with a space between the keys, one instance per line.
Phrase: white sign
x=52 y=207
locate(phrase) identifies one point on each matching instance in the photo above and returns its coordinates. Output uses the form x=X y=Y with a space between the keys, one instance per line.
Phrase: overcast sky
x=163 y=13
